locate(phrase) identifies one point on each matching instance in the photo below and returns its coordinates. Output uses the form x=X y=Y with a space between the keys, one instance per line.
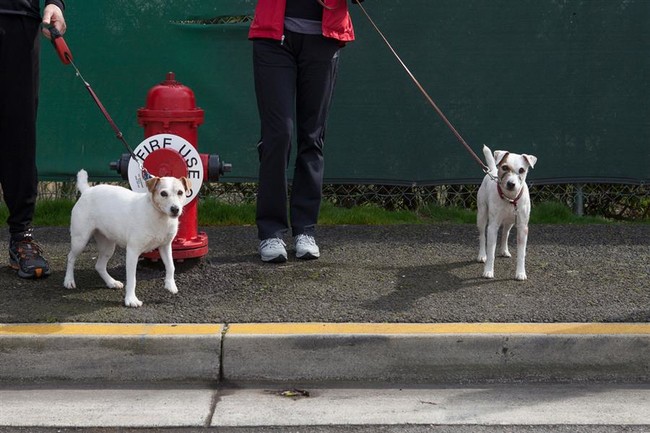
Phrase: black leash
x=66 y=57
x=426 y=95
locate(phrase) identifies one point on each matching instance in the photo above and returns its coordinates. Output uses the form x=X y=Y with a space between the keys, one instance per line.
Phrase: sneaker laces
x=272 y=242
x=306 y=239
x=27 y=248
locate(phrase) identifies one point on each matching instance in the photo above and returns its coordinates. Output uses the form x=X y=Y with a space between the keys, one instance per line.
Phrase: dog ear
x=500 y=156
x=151 y=183
x=531 y=160
x=187 y=184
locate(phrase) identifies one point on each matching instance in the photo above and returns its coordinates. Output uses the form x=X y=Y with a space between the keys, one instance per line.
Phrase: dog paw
x=115 y=285
x=521 y=276
x=69 y=284
x=488 y=274
x=132 y=302
x=481 y=259
x=171 y=286
x=505 y=253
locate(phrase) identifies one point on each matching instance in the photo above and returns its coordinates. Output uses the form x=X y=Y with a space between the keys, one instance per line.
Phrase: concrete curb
x=326 y=352
x=110 y=353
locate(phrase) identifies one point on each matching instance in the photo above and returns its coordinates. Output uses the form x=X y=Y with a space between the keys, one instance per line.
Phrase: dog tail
x=82 y=181
x=489 y=160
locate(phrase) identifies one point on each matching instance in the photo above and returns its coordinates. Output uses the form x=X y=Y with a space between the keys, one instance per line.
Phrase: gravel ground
x=404 y=273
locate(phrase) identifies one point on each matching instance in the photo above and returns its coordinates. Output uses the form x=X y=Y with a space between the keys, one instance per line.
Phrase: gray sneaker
x=272 y=250
x=306 y=247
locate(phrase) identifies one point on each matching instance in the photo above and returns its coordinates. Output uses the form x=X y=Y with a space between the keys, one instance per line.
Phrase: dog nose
x=510 y=185
x=174 y=210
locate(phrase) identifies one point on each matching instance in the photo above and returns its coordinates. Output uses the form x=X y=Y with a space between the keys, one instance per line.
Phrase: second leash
x=426 y=95
x=66 y=58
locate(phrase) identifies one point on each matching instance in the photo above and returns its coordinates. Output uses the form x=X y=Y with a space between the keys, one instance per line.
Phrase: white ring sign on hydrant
x=187 y=163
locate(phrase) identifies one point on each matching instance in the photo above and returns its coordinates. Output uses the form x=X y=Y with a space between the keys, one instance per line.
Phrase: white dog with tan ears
x=139 y=222
x=503 y=201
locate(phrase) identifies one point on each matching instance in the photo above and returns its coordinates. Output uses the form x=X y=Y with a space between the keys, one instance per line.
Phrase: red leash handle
x=60 y=46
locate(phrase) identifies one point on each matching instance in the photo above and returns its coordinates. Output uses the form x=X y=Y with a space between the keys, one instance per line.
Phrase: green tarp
x=565 y=80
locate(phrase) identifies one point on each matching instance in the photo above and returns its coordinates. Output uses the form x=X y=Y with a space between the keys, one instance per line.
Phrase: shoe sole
x=276 y=259
x=38 y=272
x=308 y=256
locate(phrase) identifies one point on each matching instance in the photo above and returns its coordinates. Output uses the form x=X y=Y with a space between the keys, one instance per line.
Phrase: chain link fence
x=619 y=202
x=614 y=201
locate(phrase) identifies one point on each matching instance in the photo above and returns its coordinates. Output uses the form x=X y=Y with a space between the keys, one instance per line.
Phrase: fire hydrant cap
x=170 y=95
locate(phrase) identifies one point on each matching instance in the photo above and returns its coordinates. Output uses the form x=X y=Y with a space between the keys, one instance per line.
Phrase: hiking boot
x=272 y=250
x=306 y=247
x=26 y=256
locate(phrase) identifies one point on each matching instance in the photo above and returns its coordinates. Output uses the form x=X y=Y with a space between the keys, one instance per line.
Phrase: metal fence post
x=579 y=201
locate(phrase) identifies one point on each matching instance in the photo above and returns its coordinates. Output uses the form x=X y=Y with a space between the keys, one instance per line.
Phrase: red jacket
x=268 y=22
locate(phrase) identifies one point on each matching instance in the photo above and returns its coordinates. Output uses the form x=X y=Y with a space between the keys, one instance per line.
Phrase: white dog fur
x=139 y=222
x=504 y=201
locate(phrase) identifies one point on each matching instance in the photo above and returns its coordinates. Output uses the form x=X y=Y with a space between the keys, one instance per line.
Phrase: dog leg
x=130 y=300
x=522 y=240
x=166 y=256
x=78 y=242
x=68 y=281
x=481 y=223
x=106 y=248
x=492 y=234
x=505 y=234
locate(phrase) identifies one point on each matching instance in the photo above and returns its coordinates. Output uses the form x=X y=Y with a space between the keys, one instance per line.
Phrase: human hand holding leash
x=53 y=17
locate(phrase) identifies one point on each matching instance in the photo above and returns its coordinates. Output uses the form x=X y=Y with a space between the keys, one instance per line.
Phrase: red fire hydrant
x=171 y=120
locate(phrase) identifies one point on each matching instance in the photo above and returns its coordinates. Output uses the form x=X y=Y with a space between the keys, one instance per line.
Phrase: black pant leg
x=317 y=70
x=274 y=70
x=19 y=81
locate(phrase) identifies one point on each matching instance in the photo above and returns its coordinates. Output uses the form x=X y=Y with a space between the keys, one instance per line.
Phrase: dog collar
x=511 y=201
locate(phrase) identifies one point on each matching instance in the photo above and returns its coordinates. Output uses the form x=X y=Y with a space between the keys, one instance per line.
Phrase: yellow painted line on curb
x=438 y=328
x=116 y=329
x=312 y=328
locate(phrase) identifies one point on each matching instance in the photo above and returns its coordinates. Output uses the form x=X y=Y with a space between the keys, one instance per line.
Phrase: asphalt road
x=404 y=273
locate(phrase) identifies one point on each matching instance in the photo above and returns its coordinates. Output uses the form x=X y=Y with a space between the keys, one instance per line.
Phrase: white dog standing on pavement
x=503 y=201
x=139 y=222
